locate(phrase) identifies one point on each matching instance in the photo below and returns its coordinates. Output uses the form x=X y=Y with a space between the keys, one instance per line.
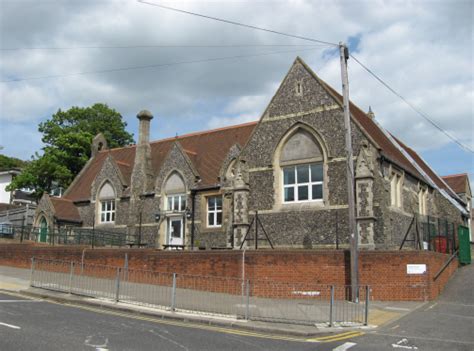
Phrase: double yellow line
x=240 y=332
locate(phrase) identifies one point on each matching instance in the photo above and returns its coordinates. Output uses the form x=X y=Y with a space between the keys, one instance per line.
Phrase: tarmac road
x=34 y=324
x=446 y=324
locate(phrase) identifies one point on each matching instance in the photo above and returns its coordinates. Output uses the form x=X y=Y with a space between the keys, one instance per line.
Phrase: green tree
x=67 y=137
x=7 y=163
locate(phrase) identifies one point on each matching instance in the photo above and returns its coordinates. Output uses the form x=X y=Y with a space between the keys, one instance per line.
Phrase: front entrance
x=175 y=231
x=43 y=234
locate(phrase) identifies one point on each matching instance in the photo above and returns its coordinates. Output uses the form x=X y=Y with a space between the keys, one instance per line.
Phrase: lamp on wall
x=157 y=217
x=188 y=213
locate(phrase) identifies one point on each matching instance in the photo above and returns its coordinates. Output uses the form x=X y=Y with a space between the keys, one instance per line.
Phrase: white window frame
x=295 y=186
x=214 y=212
x=179 y=198
x=110 y=208
x=396 y=187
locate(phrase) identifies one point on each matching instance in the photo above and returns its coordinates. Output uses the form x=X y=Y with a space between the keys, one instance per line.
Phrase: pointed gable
x=205 y=150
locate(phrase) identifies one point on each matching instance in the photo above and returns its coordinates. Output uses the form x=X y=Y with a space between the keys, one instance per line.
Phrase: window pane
x=210 y=217
x=103 y=206
x=289 y=175
x=113 y=216
x=302 y=173
x=317 y=191
x=107 y=217
x=113 y=205
x=317 y=172
x=303 y=193
x=219 y=203
x=170 y=203
x=211 y=202
x=102 y=217
x=175 y=203
x=219 y=218
x=290 y=194
x=183 y=203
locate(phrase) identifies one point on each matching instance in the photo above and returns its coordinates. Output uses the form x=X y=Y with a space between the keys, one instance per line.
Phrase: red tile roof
x=457 y=182
x=206 y=150
x=65 y=209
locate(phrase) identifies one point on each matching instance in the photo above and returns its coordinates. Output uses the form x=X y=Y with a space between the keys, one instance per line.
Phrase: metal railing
x=306 y=304
x=66 y=236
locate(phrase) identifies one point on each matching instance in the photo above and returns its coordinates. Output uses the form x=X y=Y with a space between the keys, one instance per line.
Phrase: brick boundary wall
x=384 y=271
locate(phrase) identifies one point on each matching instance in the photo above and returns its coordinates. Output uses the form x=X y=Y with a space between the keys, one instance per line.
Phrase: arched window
x=107 y=204
x=175 y=192
x=301 y=163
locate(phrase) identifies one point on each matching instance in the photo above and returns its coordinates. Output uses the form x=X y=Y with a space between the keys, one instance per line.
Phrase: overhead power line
x=430 y=120
x=159 y=65
x=237 y=23
x=422 y=114
x=152 y=46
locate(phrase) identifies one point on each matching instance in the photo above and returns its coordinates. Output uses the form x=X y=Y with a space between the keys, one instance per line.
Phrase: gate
x=464 y=245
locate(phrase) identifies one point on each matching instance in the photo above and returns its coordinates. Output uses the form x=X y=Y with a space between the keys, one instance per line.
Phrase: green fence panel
x=464 y=245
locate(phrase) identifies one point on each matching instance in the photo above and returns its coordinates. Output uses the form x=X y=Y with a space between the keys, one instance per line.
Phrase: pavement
x=380 y=313
x=45 y=320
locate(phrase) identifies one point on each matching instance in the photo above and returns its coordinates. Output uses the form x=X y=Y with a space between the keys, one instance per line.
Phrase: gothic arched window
x=107 y=203
x=302 y=167
x=175 y=192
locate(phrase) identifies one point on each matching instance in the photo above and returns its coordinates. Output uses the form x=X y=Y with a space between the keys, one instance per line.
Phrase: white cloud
x=422 y=49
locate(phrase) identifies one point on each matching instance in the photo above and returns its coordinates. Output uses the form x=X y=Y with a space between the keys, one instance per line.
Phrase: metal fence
x=306 y=304
x=68 y=236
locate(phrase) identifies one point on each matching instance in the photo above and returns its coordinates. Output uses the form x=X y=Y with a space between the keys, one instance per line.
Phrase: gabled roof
x=65 y=210
x=206 y=150
x=458 y=182
x=371 y=128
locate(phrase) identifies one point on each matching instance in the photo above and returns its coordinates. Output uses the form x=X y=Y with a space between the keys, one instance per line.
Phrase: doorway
x=175 y=231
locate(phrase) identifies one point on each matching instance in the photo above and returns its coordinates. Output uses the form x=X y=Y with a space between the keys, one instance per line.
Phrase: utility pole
x=354 y=237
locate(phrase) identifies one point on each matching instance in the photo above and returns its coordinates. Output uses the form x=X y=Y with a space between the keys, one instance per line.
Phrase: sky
x=422 y=49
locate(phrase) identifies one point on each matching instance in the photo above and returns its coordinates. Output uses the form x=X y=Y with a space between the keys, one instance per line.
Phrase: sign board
x=416 y=268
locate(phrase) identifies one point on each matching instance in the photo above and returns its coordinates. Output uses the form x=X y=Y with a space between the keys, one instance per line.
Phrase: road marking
x=336 y=337
x=345 y=346
x=403 y=344
x=340 y=335
x=395 y=327
x=10 y=326
x=428 y=339
x=11 y=301
x=397 y=309
x=429 y=308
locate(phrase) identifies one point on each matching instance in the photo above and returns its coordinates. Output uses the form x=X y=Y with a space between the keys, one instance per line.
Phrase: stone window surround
x=98 y=205
x=279 y=204
x=423 y=199
x=203 y=210
x=215 y=211
x=396 y=178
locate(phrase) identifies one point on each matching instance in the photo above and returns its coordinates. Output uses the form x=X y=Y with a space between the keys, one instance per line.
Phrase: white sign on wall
x=416 y=268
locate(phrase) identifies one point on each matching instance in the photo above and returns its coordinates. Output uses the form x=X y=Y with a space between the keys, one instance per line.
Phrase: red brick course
x=305 y=270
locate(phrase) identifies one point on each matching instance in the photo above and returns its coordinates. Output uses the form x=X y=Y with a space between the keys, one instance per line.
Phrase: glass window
x=107 y=211
x=303 y=183
x=176 y=202
x=214 y=211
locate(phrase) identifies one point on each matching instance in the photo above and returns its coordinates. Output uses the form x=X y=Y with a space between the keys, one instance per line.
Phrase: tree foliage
x=67 y=137
x=7 y=163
